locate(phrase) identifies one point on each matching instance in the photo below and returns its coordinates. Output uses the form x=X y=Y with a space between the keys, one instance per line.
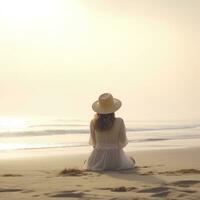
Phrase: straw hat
x=106 y=104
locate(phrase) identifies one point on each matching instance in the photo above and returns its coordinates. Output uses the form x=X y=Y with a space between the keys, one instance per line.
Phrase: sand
x=160 y=174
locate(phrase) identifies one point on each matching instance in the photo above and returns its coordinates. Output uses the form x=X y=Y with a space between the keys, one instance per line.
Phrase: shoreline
x=61 y=153
x=77 y=151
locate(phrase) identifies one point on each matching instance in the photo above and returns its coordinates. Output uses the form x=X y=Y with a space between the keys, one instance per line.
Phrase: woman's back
x=114 y=136
x=109 y=136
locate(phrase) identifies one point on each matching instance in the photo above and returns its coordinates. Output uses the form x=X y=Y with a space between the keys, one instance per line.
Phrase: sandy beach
x=160 y=174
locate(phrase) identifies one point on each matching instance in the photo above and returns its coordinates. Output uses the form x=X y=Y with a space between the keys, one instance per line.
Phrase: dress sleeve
x=92 y=140
x=123 y=141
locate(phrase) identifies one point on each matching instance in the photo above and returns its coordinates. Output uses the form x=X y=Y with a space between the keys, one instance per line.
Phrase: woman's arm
x=92 y=140
x=123 y=141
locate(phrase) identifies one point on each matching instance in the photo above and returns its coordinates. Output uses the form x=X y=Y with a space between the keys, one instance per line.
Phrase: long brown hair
x=104 y=122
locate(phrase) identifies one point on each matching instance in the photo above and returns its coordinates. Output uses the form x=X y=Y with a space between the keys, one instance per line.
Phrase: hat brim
x=98 y=109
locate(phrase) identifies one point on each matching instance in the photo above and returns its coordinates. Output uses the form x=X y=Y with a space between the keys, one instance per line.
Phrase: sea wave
x=148 y=142
x=81 y=129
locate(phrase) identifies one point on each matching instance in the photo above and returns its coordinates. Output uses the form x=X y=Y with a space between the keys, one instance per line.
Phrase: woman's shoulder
x=119 y=120
x=92 y=122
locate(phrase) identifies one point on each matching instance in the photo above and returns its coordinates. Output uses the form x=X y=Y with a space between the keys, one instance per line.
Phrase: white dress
x=108 y=151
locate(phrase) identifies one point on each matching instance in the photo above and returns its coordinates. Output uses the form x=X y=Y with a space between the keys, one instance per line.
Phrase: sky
x=58 y=56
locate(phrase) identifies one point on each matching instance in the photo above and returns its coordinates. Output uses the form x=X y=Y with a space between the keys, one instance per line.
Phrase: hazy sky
x=57 y=56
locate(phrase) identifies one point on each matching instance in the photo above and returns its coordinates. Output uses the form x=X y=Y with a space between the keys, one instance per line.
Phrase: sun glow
x=24 y=8
x=24 y=11
x=12 y=124
x=44 y=22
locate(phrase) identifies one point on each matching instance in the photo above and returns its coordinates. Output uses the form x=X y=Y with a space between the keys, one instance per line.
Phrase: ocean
x=46 y=133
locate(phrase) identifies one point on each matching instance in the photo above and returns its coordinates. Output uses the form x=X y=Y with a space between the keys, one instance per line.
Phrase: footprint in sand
x=154 y=190
x=173 y=173
x=119 y=189
x=161 y=194
x=181 y=172
x=28 y=191
x=10 y=190
x=73 y=172
x=69 y=193
x=35 y=195
x=188 y=191
x=158 y=191
x=185 y=183
x=11 y=175
x=147 y=173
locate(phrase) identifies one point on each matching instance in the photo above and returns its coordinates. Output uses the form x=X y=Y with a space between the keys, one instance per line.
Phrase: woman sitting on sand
x=108 y=137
